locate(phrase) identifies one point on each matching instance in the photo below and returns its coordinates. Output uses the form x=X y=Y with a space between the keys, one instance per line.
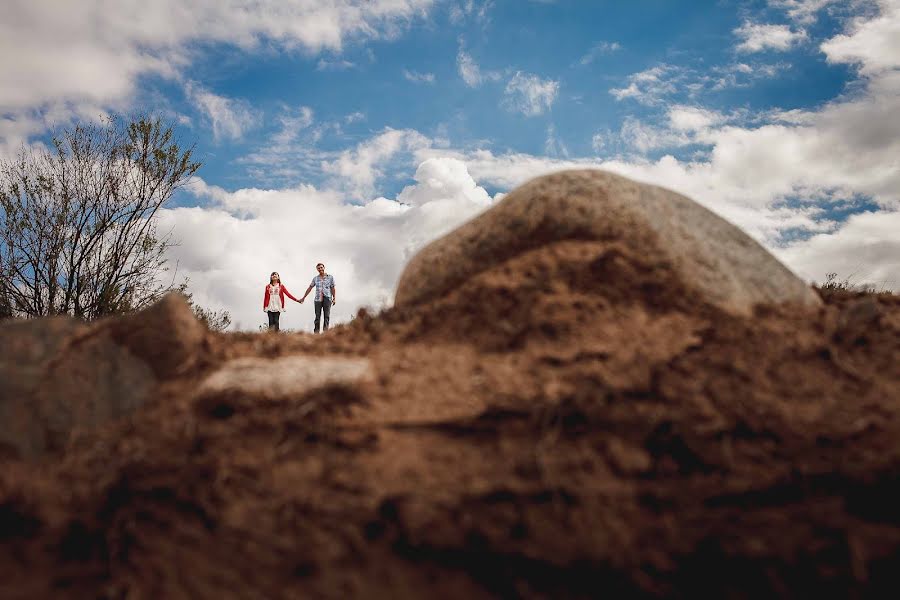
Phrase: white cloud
x=756 y=37
x=443 y=179
x=470 y=72
x=685 y=125
x=873 y=44
x=644 y=137
x=661 y=83
x=529 y=94
x=69 y=57
x=866 y=250
x=599 y=49
x=230 y=117
x=290 y=152
x=468 y=69
x=803 y=12
x=651 y=85
x=417 y=77
x=365 y=247
x=694 y=118
x=357 y=170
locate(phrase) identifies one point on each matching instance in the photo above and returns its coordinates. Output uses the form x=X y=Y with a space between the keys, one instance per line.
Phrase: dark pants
x=273 y=320
x=323 y=306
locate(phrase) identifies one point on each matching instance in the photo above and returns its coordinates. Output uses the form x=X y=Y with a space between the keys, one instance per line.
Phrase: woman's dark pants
x=323 y=306
x=273 y=320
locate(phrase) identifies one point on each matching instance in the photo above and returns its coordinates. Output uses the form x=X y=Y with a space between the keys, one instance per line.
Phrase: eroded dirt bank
x=570 y=456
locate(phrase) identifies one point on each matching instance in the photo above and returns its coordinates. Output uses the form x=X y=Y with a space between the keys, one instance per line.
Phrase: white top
x=275 y=299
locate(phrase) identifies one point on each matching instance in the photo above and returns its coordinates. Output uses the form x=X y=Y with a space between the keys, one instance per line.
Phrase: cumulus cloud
x=529 y=94
x=364 y=246
x=872 y=44
x=757 y=37
x=443 y=179
x=866 y=250
x=358 y=169
x=694 y=118
x=81 y=55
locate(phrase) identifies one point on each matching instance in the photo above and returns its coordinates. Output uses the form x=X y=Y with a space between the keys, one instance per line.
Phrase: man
x=326 y=297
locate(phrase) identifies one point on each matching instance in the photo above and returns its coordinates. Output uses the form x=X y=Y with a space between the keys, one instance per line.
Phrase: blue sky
x=586 y=48
x=356 y=132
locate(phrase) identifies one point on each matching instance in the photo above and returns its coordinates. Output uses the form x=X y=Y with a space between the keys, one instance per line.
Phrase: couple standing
x=326 y=297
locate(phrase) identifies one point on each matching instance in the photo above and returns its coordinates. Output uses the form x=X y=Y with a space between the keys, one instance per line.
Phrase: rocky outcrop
x=714 y=261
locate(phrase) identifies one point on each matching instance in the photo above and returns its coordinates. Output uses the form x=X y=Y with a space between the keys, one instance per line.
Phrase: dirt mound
x=569 y=421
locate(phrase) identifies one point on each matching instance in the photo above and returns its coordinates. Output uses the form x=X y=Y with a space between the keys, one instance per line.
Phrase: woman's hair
x=274 y=274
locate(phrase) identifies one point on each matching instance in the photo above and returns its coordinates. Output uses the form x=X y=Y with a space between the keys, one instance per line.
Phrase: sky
x=353 y=132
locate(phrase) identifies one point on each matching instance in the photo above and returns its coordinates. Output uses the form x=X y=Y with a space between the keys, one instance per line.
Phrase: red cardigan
x=281 y=294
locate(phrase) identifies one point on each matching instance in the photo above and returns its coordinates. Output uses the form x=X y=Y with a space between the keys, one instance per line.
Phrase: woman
x=273 y=300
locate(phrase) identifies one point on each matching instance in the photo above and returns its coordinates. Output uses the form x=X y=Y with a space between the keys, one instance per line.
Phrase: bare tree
x=78 y=222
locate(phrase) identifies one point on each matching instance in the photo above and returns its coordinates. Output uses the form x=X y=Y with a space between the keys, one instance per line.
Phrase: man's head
x=320 y=268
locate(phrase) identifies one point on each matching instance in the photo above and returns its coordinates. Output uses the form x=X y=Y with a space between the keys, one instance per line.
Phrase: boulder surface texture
x=717 y=262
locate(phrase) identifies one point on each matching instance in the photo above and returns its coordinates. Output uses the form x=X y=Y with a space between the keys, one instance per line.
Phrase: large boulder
x=714 y=260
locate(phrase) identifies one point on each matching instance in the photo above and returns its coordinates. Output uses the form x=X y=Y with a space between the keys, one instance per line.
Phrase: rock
x=715 y=260
x=93 y=381
x=283 y=377
x=26 y=349
x=58 y=374
x=166 y=335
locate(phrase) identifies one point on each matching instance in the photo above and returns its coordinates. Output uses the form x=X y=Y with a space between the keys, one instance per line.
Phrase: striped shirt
x=323 y=286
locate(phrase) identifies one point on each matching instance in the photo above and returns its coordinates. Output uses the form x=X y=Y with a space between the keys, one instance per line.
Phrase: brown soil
x=570 y=423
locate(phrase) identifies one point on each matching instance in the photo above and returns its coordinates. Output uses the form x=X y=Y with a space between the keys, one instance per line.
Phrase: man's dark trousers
x=323 y=306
